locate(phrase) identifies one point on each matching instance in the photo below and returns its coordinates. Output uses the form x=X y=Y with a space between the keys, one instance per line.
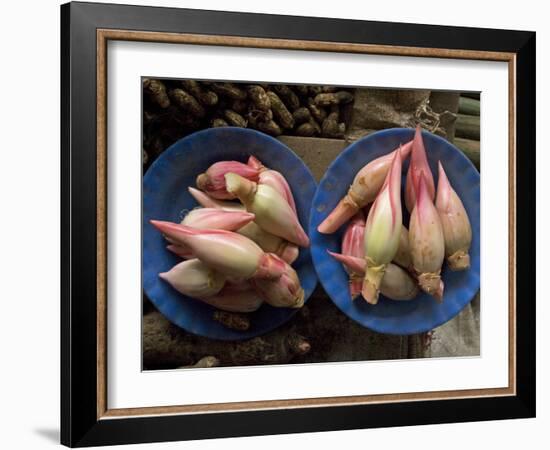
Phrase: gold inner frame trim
x=104 y=35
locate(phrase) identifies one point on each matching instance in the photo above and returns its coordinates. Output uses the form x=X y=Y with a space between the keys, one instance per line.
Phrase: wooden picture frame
x=85 y=418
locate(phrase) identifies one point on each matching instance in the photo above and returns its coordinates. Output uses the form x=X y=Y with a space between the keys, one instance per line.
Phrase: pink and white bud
x=284 y=292
x=353 y=245
x=213 y=180
x=403 y=254
x=274 y=179
x=270 y=243
x=209 y=218
x=217 y=218
x=364 y=189
x=354 y=236
x=235 y=298
x=383 y=230
x=272 y=211
x=353 y=264
x=208 y=202
x=426 y=241
x=181 y=250
x=396 y=284
x=225 y=251
x=419 y=163
x=194 y=278
x=456 y=225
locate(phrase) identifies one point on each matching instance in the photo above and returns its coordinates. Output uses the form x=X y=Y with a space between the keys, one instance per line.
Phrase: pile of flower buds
x=379 y=253
x=238 y=254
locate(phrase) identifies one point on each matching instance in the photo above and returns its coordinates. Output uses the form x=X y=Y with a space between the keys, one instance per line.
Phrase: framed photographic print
x=277 y=224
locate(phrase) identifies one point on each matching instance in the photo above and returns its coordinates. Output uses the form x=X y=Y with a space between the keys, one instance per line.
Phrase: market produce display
x=175 y=108
x=236 y=255
x=380 y=254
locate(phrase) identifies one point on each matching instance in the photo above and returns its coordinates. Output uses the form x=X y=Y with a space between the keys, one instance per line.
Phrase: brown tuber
x=337 y=98
x=229 y=90
x=207 y=98
x=239 y=106
x=305 y=130
x=331 y=128
x=259 y=97
x=301 y=115
x=234 y=119
x=280 y=111
x=288 y=96
x=157 y=92
x=318 y=113
x=187 y=102
x=218 y=122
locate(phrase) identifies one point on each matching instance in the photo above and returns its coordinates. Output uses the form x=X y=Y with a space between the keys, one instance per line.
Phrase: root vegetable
x=289 y=98
x=213 y=180
x=194 y=278
x=396 y=284
x=337 y=98
x=157 y=92
x=383 y=230
x=427 y=242
x=206 y=97
x=209 y=202
x=284 y=292
x=259 y=97
x=363 y=190
x=273 y=213
x=280 y=111
x=187 y=102
x=233 y=298
x=229 y=90
x=274 y=179
x=227 y=252
x=457 y=230
x=419 y=163
x=202 y=218
x=234 y=119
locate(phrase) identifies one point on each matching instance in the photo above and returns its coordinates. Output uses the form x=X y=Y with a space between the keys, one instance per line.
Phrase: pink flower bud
x=419 y=163
x=181 y=250
x=213 y=182
x=353 y=245
x=272 y=211
x=426 y=241
x=225 y=251
x=284 y=292
x=208 y=202
x=234 y=298
x=270 y=243
x=383 y=230
x=194 y=278
x=217 y=218
x=457 y=230
x=403 y=255
x=396 y=283
x=365 y=187
x=274 y=179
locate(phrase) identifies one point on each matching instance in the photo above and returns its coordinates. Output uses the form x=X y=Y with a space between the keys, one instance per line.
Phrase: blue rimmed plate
x=389 y=316
x=165 y=197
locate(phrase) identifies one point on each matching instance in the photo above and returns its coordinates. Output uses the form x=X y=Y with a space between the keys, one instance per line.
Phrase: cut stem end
x=372 y=282
x=431 y=284
x=459 y=261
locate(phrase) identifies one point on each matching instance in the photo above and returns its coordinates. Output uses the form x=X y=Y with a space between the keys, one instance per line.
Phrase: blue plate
x=389 y=316
x=165 y=197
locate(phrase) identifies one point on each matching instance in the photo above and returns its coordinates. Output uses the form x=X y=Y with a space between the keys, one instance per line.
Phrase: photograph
x=276 y=224
x=290 y=223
